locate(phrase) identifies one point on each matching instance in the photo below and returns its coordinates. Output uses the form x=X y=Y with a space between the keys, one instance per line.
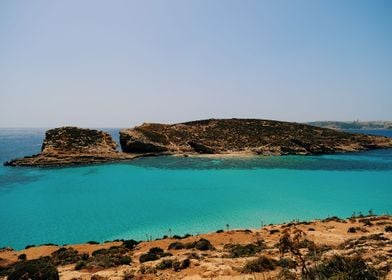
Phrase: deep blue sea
x=152 y=196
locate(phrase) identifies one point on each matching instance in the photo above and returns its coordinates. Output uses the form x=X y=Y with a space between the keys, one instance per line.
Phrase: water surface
x=149 y=196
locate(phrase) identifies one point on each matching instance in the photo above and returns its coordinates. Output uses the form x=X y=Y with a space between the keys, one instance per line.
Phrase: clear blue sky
x=121 y=63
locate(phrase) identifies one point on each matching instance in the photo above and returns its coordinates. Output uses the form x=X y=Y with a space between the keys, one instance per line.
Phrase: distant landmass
x=72 y=145
x=353 y=125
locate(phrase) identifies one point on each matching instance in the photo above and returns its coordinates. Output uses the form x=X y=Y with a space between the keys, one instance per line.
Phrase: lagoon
x=152 y=197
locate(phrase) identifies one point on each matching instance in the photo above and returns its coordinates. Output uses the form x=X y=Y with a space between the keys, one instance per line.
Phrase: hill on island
x=255 y=136
x=72 y=145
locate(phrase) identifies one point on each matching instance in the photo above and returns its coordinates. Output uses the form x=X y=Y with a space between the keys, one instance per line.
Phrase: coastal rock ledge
x=72 y=146
x=244 y=136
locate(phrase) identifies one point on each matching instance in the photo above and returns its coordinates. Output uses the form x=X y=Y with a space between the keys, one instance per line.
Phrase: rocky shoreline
x=358 y=247
x=75 y=146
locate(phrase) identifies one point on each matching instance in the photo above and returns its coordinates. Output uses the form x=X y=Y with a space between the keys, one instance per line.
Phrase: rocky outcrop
x=142 y=141
x=71 y=146
x=77 y=140
x=250 y=136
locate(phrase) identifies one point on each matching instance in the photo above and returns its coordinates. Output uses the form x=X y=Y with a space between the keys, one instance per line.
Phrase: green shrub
x=130 y=244
x=260 y=264
x=176 y=246
x=105 y=258
x=117 y=250
x=153 y=254
x=202 y=245
x=366 y=222
x=165 y=264
x=65 y=256
x=176 y=266
x=125 y=260
x=39 y=269
x=99 y=252
x=92 y=242
x=185 y=264
x=148 y=257
x=22 y=257
x=287 y=263
x=388 y=228
x=29 y=246
x=339 y=267
x=306 y=243
x=334 y=219
x=239 y=250
x=181 y=237
x=156 y=250
x=80 y=265
x=352 y=230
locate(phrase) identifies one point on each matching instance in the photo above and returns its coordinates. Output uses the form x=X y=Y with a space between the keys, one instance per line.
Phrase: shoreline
x=126 y=157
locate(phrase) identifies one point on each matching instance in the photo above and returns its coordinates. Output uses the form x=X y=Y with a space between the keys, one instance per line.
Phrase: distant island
x=353 y=125
x=238 y=137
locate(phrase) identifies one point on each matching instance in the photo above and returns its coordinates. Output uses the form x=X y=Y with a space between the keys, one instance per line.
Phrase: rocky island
x=72 y=145
x=244 y=136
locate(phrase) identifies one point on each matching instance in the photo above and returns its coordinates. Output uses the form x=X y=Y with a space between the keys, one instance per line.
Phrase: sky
x=121 y=63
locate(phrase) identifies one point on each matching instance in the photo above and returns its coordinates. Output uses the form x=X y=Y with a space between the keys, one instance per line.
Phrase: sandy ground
x=214 y=264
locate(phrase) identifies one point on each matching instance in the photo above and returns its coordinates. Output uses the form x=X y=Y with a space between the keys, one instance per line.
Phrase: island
x=369 y=125
x=238 y=137
x=72 y=146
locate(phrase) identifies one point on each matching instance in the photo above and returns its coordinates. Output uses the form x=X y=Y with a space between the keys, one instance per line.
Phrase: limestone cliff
x=72 y=145
x=252 y=136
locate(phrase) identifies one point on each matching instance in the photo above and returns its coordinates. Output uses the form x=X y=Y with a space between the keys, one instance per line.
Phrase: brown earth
x=320 y=240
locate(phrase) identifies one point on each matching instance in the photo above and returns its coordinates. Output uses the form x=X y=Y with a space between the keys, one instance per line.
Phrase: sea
x=148 y=198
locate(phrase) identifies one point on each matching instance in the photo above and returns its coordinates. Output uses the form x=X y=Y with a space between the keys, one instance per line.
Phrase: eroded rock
x=72 y=146
x=248 y=136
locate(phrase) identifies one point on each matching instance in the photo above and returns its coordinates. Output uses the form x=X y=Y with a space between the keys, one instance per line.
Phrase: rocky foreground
x=356 y=248
x=71 y=145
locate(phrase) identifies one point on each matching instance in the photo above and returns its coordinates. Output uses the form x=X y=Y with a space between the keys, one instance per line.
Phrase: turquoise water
x=187 y=195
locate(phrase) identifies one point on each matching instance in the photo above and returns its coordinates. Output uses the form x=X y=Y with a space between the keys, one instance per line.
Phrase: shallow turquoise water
x=187 y=195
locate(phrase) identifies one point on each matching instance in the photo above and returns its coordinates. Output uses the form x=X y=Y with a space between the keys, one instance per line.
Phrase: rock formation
x=251 y=136
x=72 y=145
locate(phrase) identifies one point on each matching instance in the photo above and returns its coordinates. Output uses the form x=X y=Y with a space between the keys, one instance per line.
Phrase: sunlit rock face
x=73 y=146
